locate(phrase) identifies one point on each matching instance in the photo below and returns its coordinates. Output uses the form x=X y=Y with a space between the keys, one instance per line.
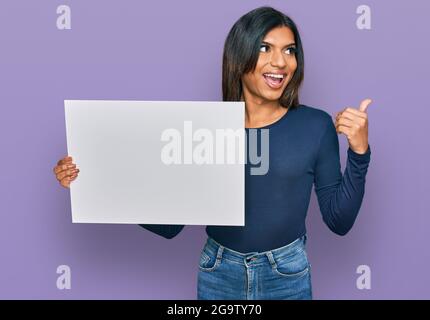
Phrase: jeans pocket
x=292 y=266
x=208 y=261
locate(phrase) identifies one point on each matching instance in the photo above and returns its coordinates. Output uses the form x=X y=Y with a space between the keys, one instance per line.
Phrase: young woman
x=263 y=65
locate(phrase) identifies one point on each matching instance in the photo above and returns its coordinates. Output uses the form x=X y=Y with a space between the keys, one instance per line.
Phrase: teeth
x=279 y=76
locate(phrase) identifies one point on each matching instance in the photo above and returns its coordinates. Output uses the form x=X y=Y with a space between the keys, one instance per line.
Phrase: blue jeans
x=278 y=274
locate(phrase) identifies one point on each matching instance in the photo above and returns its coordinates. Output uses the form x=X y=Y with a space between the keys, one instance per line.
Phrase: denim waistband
x=255 y=258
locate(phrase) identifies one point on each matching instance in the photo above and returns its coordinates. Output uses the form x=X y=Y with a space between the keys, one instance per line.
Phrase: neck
x=259 y=111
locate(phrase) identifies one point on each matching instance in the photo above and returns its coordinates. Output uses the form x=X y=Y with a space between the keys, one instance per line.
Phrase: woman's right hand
x=66 y=171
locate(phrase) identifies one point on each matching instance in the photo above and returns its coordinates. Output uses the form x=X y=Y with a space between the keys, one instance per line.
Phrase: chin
x=273 y=96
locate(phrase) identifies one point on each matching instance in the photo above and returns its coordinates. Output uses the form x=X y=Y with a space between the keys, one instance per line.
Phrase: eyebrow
x=288 y=45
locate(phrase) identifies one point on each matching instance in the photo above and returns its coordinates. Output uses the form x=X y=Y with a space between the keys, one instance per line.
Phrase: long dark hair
x=241 y=51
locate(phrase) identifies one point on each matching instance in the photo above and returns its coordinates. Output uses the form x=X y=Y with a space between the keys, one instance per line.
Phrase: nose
x=277 y=59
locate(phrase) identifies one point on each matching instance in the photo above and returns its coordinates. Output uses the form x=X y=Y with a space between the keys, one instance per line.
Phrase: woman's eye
x=263 y=46
x=292 y=50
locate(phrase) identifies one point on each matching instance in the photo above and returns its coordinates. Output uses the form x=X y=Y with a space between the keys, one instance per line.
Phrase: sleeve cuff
x=365 y=157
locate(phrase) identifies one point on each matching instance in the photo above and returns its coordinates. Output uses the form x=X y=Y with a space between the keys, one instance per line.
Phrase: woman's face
x=275 y=66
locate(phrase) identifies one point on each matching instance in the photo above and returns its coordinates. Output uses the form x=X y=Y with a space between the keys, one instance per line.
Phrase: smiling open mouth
x=274 y=81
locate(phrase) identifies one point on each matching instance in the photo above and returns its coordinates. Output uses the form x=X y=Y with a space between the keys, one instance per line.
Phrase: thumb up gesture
x=354 y=124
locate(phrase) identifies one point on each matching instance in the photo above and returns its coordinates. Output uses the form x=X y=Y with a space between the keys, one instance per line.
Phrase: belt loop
x=219 y=253
x=304 y=239
x=271 y=259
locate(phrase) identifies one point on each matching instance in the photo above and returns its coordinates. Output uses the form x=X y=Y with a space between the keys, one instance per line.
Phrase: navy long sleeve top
x=303 y=152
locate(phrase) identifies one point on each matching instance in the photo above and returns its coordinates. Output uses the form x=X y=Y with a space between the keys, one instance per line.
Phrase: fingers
x=354 y=112
x=347 y=115
x=344 y=126
x=358 y=119
x=67 y=173
x=353 y=125
x=65 y=160
x=344 y=129
x=345 y=122
x=360 y=112
x=65 y=182
x=364 y=105
x=63 y=167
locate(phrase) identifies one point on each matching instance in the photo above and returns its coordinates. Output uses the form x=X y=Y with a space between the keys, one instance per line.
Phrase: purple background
x=171 y=50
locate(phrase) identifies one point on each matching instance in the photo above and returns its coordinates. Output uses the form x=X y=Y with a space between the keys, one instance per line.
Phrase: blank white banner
x=157 y=162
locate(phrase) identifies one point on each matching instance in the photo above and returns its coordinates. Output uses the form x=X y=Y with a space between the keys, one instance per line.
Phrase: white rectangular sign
x=157 y=162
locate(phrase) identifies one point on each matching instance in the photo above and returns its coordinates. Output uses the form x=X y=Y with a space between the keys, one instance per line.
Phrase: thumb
x=364 y=104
